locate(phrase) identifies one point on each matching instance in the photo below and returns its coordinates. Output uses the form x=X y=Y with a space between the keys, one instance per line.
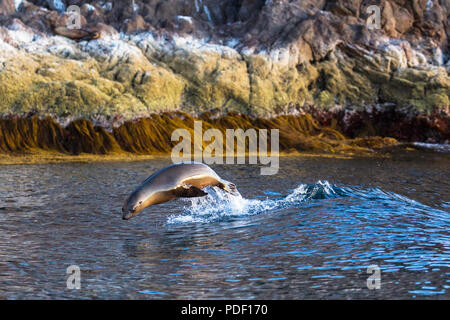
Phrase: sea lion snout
x=132 y=206
x=124 y=213
x=127 y=214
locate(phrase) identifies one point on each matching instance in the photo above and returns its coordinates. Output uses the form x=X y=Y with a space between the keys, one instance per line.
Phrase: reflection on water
x=310 y=231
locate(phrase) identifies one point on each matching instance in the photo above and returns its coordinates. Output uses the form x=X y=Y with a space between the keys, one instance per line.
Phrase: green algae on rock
x=137 y=75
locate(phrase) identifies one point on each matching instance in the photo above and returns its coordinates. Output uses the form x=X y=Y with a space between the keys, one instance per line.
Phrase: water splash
x=219 y=205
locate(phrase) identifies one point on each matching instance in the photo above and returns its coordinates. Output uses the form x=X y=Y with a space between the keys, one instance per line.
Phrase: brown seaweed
x=152 y=135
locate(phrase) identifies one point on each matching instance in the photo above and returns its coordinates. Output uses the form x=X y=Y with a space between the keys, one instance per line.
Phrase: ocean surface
x=320 y=228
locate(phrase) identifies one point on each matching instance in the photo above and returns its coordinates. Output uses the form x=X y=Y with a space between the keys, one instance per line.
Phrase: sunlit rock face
x=258 y=57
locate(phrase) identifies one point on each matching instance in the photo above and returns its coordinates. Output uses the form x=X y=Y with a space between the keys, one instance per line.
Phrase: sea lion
x=181 y=180
x=76 y=34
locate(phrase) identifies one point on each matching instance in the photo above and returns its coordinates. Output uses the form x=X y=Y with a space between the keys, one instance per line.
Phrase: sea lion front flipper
x=91 y=35
x=188 y=191
x=229 y=187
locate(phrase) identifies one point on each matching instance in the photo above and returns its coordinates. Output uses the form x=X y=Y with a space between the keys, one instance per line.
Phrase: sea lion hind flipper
x=188 y=191
x=229 y=187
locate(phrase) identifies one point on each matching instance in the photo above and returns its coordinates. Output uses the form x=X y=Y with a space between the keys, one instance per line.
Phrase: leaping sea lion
x=181 y=180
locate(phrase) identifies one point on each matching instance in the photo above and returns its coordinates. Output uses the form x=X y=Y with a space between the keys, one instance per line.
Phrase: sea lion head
x=143 y=197
x=135 y=203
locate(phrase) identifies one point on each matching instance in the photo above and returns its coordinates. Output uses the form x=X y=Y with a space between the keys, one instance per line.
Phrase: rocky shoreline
x=260 y=60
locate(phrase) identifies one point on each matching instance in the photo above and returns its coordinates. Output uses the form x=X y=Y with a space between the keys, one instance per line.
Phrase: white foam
x=218 y=205
x=225 y=205
x=434 y=146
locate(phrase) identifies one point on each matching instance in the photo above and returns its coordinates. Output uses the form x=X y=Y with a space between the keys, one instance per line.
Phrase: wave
x=219 y=205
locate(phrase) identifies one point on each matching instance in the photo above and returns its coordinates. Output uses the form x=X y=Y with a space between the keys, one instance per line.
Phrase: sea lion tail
x=229 y=187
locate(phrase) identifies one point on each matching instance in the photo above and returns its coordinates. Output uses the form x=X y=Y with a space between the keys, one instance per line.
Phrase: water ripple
x=280 y=240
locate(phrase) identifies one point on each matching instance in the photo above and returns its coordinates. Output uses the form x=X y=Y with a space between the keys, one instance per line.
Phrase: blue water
x=311 y=231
